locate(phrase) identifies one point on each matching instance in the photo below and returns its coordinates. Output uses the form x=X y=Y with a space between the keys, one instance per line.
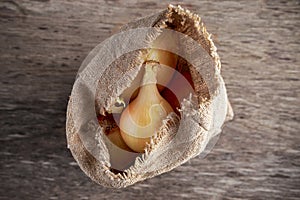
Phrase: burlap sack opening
x=95 y=92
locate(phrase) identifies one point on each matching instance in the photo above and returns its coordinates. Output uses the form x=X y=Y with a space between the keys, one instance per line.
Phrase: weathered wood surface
x=258 y=154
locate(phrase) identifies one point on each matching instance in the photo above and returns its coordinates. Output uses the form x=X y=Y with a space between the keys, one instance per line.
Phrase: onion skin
x=114 y=134
x=115 y=137
x=137 y=144
x=144 y=115
x=121 y=156
x=179 y=86
x=166 y=60
x=167 y=64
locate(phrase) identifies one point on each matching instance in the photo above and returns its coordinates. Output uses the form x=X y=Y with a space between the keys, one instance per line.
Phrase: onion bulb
x=167 y=60
x=144 y=115
x=157 y=53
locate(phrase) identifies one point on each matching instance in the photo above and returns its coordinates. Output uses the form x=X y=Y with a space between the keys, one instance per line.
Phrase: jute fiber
x=100 y=82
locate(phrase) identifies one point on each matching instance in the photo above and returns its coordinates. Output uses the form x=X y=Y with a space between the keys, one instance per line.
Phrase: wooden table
x=43 y=43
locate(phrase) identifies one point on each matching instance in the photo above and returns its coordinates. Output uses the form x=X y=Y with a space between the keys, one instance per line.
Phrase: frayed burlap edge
x=100 y=172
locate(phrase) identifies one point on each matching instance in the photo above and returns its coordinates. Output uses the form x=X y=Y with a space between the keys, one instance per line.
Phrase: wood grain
x=43 y=43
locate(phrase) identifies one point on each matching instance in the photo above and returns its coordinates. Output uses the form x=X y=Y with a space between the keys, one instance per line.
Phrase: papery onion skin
x=144 y=115
x=115 y=137
x=182 y=85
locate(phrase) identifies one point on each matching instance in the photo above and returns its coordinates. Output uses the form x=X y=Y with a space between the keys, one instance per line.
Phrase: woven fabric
x=100 y=82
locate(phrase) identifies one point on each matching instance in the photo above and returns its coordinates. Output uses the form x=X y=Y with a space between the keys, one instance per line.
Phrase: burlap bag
x=100 y=82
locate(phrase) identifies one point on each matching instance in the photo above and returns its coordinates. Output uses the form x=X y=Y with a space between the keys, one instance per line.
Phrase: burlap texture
x=96 y=90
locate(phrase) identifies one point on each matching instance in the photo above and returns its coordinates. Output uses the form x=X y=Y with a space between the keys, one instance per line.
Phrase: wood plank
x=257 y=156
